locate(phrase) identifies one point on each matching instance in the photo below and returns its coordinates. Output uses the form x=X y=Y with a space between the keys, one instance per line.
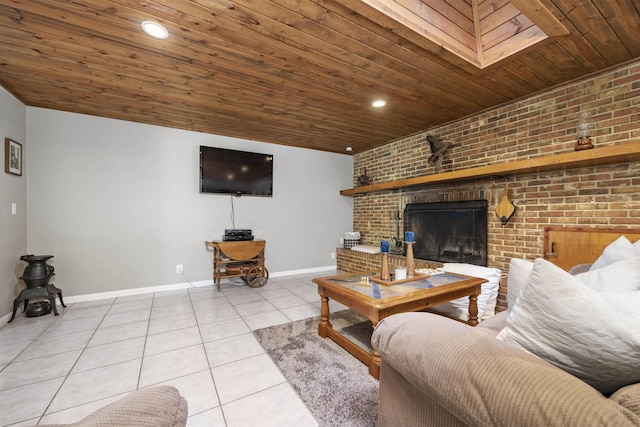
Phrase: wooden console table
x=239 y=258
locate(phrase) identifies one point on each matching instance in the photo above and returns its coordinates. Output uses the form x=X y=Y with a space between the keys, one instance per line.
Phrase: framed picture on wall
x=12 y=157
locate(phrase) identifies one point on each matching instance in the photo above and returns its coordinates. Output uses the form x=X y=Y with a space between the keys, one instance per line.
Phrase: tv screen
x=224 y=171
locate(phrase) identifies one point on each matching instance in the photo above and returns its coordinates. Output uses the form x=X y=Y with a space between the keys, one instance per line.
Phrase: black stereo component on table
x=237 y=234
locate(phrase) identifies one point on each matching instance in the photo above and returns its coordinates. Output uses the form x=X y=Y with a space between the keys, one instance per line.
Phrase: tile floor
x=57 y=369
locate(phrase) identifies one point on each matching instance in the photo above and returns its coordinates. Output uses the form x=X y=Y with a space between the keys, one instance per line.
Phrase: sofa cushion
x=459 y=308
x=519 y=270
x=618 y=250
x=621 y=276
x=592 y=334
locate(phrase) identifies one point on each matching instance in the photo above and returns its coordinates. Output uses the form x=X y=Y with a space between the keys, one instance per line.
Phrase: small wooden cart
x=239 y=258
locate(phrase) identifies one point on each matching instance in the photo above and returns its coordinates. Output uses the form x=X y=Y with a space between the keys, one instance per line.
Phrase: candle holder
x=585 y=126
x=384 y=270
x=411 y=266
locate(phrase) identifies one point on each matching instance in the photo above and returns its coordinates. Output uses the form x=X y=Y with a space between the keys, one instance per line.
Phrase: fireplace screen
x=449 y=231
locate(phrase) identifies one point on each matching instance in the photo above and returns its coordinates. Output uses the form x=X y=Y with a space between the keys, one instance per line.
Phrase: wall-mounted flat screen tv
x=224 y=171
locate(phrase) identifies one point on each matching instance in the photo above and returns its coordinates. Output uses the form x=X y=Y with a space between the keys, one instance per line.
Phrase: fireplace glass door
x=449 y=231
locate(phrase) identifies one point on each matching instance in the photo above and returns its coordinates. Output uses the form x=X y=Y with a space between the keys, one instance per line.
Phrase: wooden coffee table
x=377 y=301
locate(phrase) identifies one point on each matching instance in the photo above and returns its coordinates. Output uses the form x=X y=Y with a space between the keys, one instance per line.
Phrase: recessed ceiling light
x=378 y=103
x=155 y=30
x=349 y=149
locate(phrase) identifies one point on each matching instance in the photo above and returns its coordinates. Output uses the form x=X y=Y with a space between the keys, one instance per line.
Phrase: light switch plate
x=14 y=209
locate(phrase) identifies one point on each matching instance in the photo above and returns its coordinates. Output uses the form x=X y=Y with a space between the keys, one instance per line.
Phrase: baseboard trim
x=137 y=291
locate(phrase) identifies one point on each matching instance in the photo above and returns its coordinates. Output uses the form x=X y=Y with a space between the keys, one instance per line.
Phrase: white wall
x=117 y=203
x=13 y=189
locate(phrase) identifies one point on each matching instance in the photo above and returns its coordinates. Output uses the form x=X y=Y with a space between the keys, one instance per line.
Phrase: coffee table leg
x=324 y=325
x=473 y=310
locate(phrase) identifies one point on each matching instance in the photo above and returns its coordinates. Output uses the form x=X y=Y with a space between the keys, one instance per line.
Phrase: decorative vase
x=384 y=270
x=411 y=266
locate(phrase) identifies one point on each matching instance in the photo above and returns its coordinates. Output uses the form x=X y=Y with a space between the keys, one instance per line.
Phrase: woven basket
x=239 y=268
x=349 y=243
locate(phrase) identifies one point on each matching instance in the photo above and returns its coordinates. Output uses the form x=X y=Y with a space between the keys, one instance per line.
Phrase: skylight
x=481 y=32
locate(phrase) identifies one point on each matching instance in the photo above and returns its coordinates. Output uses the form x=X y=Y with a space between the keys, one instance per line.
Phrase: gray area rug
x=335 y=386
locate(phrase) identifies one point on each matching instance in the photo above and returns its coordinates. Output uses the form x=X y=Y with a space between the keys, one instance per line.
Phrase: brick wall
x=539 y=125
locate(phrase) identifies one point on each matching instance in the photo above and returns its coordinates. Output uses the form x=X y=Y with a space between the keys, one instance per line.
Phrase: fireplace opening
x=449 y=231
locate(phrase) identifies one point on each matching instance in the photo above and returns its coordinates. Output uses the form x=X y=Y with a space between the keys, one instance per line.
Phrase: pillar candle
x=384 y=246
x=409 y=237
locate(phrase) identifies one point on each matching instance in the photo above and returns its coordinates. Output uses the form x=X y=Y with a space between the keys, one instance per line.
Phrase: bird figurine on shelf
x=364 y=179
x=438 y=148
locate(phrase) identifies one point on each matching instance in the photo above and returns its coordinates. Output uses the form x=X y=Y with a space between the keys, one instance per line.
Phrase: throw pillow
x=618 y=250
x=592 y=335
x=460 y=307
x=621 y=276
x=519 y=270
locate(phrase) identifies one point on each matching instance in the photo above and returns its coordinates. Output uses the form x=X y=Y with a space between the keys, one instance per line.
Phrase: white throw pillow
x=618 y=250
x=592 y=335
x=519 y=270
x=621 y=276
x=460 y=307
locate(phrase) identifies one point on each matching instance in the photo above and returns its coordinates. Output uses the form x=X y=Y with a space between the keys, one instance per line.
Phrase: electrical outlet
x=179 y=268
x=333 y=255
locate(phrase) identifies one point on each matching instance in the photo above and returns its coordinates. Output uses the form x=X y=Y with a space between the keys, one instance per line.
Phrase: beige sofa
x=440 y=372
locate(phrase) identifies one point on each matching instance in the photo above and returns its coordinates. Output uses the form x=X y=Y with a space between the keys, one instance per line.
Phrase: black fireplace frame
x=438 y=236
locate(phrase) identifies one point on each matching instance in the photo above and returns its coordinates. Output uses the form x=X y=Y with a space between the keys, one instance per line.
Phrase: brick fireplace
x=540 y=125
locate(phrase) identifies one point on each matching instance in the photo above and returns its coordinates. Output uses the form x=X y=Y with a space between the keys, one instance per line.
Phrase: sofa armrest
x=159 y=406
x=484 y=381
x=629 y=397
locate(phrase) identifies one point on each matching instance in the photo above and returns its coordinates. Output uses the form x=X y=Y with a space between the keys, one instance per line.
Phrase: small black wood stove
x=36 y=276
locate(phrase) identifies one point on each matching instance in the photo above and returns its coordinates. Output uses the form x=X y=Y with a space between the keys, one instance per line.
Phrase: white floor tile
x=171 y=310
x=113 y=319
x=278 y=406
x=198 y=390
x=301 y=312
x=106 y=339
x=81 y=312
x=8 y=352
x=121 y=307
x=216 y=315
x=172 y=340
x=165 y=324
x=67 y=326
x=172 y=364
x=225 y=329
x=210 y=418
x=249 y=309
x=119 y=333
x=279 y=292
x=48 y=345
x=231 y=349
x=160 y=301
x=236 y=298
x=244 y=377
x=110 y=354
x=96 y=384
x=34 y=370
x=264 y=320
x=15 y=408
x=75 y=414
x=287 y=301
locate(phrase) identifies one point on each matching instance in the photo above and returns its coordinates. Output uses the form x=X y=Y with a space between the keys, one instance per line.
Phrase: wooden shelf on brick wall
x=620 y=153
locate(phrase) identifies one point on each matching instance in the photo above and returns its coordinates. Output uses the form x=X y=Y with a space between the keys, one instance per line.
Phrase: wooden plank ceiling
x=304 y=72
